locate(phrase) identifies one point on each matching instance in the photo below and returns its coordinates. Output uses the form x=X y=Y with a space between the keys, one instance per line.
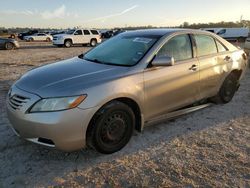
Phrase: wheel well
x=237 y=73
x=136 y=109
x=131 y=103
x=93 y=39
x=67 y=40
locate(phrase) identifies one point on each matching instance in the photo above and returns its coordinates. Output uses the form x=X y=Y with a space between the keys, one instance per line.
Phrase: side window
x=221 y=32
x=94 y=32
x=78 y=32
x=178 y=47
x=205 y=45
x=86 y=32
x=221 y=48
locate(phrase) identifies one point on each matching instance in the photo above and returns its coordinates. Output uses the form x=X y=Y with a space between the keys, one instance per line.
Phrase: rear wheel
x=93 y=42
x=9 y=46
x=68 y=43
x=111 y=128
x=227 y=90
x=48 y=39
x=241 y=39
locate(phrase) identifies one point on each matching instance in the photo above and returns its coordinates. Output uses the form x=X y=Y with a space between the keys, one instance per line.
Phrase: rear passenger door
x=211 y=62
x=87 y=36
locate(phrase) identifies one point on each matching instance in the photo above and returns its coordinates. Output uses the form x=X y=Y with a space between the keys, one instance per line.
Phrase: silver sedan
x=132 y=80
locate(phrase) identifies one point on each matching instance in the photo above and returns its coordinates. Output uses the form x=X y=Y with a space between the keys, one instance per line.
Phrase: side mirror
x=163 y=61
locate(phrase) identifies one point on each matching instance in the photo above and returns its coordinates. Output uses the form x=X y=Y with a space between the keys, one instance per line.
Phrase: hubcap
x=68 y=44
x=9 y=46
x=114 y=129
x=93 y=43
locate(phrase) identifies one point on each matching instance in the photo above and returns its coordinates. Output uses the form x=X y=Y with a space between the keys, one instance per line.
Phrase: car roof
x=157 y=33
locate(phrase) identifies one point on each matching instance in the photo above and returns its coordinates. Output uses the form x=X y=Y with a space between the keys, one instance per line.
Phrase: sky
x=118 y=13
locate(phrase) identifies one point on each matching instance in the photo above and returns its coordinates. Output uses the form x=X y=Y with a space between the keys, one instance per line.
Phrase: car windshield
x=121 y=50
x=70 y=32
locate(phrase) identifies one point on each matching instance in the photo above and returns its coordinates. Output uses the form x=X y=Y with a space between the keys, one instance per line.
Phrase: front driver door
x=172 y=87
x=78 y=37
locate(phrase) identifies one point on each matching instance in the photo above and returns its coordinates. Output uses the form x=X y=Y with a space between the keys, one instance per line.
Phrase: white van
x=239 y=34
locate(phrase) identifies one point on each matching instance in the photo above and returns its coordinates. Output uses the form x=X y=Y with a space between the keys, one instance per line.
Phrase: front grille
x=54 y=38
x=17 y=101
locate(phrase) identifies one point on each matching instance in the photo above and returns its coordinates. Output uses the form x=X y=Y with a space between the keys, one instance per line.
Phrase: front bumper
x=17 y=45
x=65 y=130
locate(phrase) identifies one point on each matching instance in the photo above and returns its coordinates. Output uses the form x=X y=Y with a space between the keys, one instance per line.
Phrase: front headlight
x=56 y=104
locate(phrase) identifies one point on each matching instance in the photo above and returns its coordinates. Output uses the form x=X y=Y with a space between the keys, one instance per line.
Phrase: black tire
x=9 y=46
x=111 y=128
x=68 y=43
x=227 y=90
x=93 y=42
x=241 y=39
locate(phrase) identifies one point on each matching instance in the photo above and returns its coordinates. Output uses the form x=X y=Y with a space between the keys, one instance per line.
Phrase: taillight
x=244 y=55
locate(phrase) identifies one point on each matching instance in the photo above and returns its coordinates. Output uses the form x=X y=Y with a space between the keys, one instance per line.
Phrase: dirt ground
x=208 y=148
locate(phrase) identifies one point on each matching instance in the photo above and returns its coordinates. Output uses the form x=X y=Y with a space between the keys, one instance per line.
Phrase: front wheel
x=9 y=46
x=111 y=128
x=227 y=90
x=68 y=43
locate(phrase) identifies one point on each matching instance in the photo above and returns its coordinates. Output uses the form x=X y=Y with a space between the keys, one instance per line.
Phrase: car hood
x=67 y=78
x=7 y=40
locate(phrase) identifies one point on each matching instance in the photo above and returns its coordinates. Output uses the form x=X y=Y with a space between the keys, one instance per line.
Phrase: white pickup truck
x=239 y=34
x=77 y=36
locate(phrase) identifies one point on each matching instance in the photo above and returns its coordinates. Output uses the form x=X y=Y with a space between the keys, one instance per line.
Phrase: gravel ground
x=208 y=148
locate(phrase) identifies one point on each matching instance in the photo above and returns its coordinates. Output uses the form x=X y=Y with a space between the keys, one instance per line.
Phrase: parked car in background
x=133 y=79
x=118 y=31
x=107 y=34
x=28 y=33
x=57 y=32
x=247 y=46
x=39 y=37
x=77 y=36
x=239 y=34
x=8 y=44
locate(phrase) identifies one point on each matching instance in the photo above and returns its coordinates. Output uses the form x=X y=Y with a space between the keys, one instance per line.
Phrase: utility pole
x=241 y=18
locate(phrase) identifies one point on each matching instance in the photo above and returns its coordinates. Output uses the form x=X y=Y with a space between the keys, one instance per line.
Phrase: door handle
x=227 y=58
x=193 y=67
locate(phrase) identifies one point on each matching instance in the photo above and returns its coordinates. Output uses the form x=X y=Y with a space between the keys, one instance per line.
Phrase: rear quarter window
x=221 y=47
x=205 y=45
x=94 y=32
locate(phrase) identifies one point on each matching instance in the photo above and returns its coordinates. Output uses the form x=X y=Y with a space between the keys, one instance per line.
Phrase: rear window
x=205 y=45
x=94 y=32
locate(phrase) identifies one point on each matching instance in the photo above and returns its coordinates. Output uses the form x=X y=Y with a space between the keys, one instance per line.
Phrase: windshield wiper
x=102 y=62
x=94 y=60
